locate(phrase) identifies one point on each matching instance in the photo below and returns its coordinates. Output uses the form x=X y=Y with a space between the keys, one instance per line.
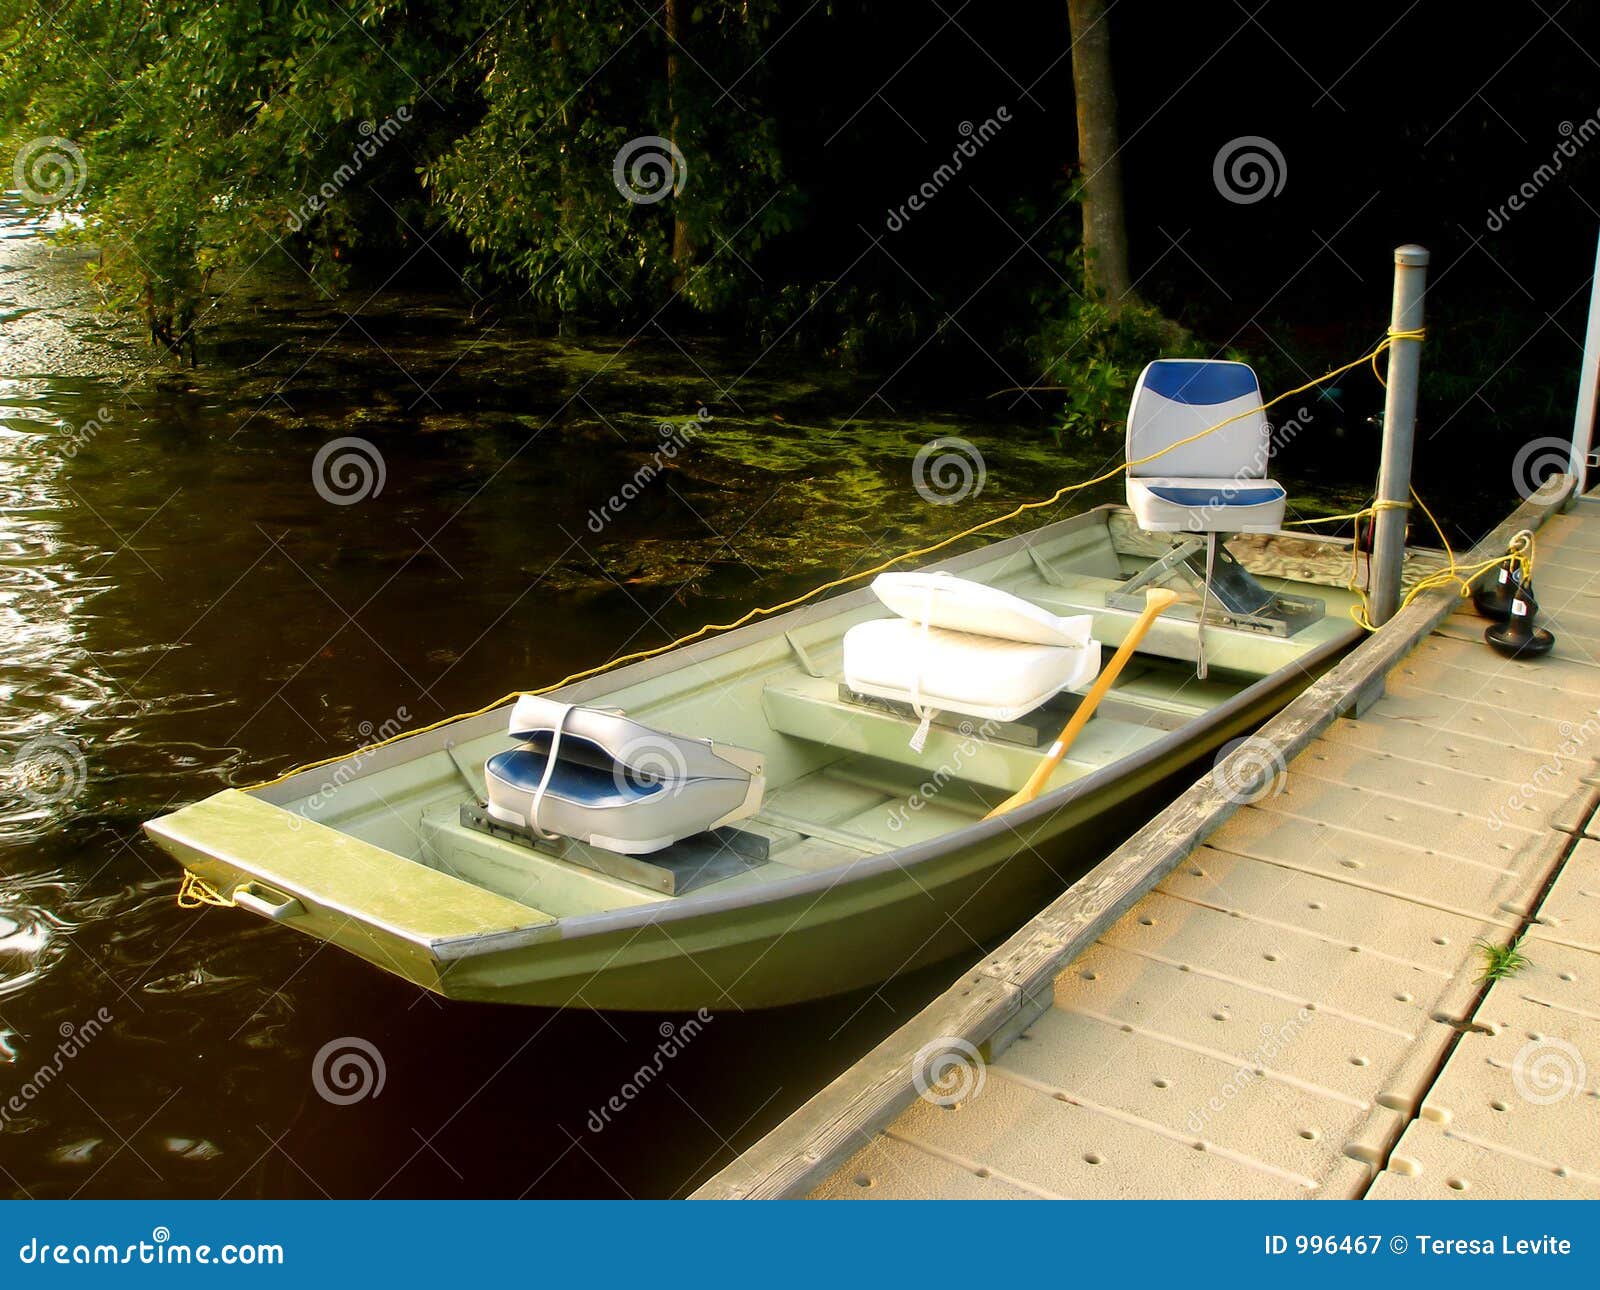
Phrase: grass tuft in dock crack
x=1501 y=961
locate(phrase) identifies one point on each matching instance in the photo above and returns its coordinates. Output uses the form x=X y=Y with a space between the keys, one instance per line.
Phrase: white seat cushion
x=981 y=676
x=944 y=600
x=1183 y=504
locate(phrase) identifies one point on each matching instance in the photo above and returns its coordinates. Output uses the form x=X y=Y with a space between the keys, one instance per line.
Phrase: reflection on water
x=183 y=608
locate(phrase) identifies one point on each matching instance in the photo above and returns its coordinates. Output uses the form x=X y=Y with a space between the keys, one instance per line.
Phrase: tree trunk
x=682 y=247
x=1105 y=229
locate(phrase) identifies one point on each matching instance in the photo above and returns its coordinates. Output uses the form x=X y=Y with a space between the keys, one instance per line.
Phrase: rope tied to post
x=932 y=548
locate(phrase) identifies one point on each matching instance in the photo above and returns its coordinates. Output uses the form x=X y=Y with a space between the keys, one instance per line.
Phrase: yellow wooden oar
x=1156 y=599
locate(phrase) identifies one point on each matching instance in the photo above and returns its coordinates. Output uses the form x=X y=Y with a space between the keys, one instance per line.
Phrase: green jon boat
x=865 y=857
x=798 y=807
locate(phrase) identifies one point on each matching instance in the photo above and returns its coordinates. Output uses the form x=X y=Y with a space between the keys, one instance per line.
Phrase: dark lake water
x=182 y=607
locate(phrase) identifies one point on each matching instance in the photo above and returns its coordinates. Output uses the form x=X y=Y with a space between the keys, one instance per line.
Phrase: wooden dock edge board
x=996 y=1000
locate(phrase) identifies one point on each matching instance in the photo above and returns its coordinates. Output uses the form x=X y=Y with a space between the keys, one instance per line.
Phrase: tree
x=682 y=248
x=1105 y=230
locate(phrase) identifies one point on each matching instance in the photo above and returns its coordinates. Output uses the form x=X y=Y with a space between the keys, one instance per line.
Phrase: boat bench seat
x=810 y=708
x=323 y=878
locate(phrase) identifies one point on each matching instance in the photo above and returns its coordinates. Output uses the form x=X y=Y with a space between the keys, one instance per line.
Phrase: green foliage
x=1094 y=356
x=1085 y=349
x=204 y=128
x=564 y=89
x=856 y=324
x=218 y=132
x=1500 y=961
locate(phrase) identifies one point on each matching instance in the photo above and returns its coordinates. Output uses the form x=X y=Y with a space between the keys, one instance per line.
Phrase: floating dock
x=1275 y=989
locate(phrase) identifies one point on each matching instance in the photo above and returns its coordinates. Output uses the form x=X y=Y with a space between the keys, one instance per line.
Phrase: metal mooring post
x=1588 y=378
x=1399 y=425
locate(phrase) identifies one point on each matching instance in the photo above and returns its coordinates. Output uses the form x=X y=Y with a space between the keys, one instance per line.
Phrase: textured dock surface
x=1297 y=1009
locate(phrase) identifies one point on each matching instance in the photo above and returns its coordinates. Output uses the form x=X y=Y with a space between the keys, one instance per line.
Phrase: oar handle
x=1156 y=600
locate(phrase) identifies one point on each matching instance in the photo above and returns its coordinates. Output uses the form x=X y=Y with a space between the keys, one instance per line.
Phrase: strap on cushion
x=549 y=770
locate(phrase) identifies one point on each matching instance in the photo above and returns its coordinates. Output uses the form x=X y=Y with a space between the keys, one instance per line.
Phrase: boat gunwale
x=283 y=791
x=363 y=763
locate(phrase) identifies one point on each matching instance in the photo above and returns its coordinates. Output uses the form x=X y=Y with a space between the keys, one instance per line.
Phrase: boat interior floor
x=873 y=795
x=842 y=779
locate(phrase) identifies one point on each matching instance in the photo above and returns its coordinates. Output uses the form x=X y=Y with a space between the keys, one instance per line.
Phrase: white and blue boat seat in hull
x=964 y=647
x=611 y=782
x=1218 y=483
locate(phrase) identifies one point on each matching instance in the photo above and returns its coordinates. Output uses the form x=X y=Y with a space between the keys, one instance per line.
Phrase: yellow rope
x=196 y=892
x=767 y=611
x=1519 y=551
x=1363 y=513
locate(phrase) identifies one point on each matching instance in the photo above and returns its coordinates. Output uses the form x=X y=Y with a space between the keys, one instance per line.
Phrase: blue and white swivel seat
x=1218 y=483
x=1210 y=488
